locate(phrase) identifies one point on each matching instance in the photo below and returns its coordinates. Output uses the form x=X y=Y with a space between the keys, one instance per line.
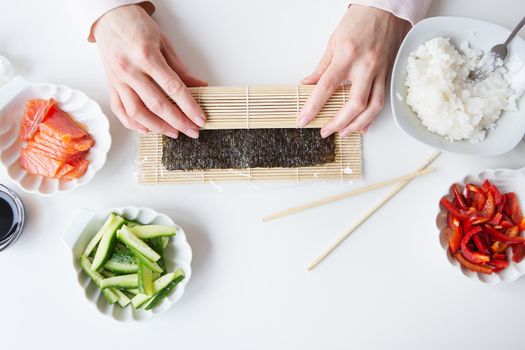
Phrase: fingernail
x=345 y=133
x=194 y=134
x=200 y=121
x=325 y=133
x=173 y=135
x=302 y=122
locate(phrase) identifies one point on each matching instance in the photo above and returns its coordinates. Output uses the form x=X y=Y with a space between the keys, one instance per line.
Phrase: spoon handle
x=515 y=31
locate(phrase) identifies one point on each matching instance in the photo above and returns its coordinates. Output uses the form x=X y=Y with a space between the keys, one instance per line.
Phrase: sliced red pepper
x=496 y=219
x=486 y=186
x=445 y=203
x=480 y=244
x=509 y=238
x=498 y=264
x=473 y=257
x=521 y=225
x=473 y=221
x=455 y=233
x=477 y=197
x=498 y=247
x=512 y=208
x=472 y=267
x=489 y=208
x=506 y=224
x=518 y=252
x=459 y=200
x=498 y=197
x=499 y=256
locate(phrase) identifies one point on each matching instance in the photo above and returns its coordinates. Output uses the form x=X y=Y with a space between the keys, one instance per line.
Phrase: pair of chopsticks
x=401 y=181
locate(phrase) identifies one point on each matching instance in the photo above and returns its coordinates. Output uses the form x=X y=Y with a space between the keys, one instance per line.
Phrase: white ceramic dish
x=178 y=255
x=510 y=127
x=13 y=97
x=506 y=180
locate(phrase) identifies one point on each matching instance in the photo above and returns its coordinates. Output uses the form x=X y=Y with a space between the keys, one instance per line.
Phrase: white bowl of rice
x=434 y=101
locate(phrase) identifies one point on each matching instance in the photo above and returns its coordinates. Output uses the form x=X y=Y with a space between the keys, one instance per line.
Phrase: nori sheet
x=248 y=148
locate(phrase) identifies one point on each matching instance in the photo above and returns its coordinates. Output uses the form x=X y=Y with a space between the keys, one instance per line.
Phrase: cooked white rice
x=451 y=105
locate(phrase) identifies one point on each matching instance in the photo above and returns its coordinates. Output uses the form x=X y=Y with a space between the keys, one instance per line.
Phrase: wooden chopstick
x=347 y=194
x=331 y=247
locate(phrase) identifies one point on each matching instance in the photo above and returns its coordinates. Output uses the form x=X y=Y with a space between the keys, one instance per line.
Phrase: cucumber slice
x=133 y=291
x=157 y=245
x=124 y=281
x=107 y=242
x=123 y=299
x=165 y=240
x=152 y=231
x=94 y=241
x=150 y=264
x=157 y=299
x=158 y=285
x=145 y=279
x=110 y=296
x=87 y=267
x=120 y=267
x=135 y=243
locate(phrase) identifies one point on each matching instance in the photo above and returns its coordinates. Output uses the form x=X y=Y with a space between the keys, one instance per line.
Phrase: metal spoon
x=487 y=64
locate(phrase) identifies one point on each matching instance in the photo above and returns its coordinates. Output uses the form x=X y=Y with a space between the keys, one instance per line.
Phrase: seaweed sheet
x=248 y=148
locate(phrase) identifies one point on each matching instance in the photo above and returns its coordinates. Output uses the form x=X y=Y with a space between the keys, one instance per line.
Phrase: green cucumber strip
x=157 y=299
x=136 y=244
x=155 y=275
x=165 y=240
x=158 y=285
x=87 y=267
x=110 y=296
x=152 y=231
x=133 y=291
x=145 y=279
x=123 y=299
x=94 y=241
x=124 y=281
x=119 y=267
x=157 y=245
x=150 y=264
x=107 y=243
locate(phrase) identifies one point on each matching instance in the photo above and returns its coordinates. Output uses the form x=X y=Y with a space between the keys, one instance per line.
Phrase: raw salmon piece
x=62 y=127
x=82 y=144
x=79 y=169
x=35 y=112
x=39 y=164
x=63 y=157
x=66 y=168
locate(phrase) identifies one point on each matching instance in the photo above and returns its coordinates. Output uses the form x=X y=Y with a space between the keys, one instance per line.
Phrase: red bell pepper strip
x=518 y=252
x=455 y=234
x=480 y=244
x=445 y=203
x=498 y=197
x=506 y=224
x=512 y=208
x=496 y=219
x=473 y=221
x=472 y=267
x=486 y=186
x=499 y=256
x=459 y=200
x=498 y=265
x=473 y=257
x=489 y=208
x=509 y=238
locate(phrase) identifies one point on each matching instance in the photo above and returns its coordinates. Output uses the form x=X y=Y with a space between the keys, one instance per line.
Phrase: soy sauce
x=9 y=218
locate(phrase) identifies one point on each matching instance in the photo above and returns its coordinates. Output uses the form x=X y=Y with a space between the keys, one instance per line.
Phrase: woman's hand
x=362 y=51
x=142 y=68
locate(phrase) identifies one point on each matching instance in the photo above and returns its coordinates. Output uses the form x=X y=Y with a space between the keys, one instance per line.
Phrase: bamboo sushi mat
x=256 y=107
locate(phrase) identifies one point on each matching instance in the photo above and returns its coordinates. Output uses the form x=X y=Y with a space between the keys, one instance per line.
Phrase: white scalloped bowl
x=13 y=97
x=506 y=180
x=178 y=255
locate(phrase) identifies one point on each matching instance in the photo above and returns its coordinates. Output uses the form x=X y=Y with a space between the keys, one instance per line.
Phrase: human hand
x=142 y=68
x=361 y=50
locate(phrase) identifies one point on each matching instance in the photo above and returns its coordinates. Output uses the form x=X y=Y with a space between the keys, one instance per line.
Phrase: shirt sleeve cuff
x=88 y=12
x=412 y=11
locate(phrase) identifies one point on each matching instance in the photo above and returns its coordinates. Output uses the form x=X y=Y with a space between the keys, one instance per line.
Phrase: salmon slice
x=35 y=112
x=61 y=126
x=79 y=169
x=82 y=144
x=63 y=157
x=39 y=164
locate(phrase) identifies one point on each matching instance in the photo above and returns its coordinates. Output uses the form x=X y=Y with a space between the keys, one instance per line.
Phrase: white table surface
x=388 y=286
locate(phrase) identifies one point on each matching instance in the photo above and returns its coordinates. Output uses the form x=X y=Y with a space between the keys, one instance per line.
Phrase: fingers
x=159 y=104
x=178 y=66
x=174 y=87
x=357 y=103
x=375 y=105
x=135 y=109
x=328 y=83
x=120 y=112
x=319 y=70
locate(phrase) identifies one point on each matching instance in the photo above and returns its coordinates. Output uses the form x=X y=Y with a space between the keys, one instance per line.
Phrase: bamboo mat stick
x=331 y=247
x=347 y=194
